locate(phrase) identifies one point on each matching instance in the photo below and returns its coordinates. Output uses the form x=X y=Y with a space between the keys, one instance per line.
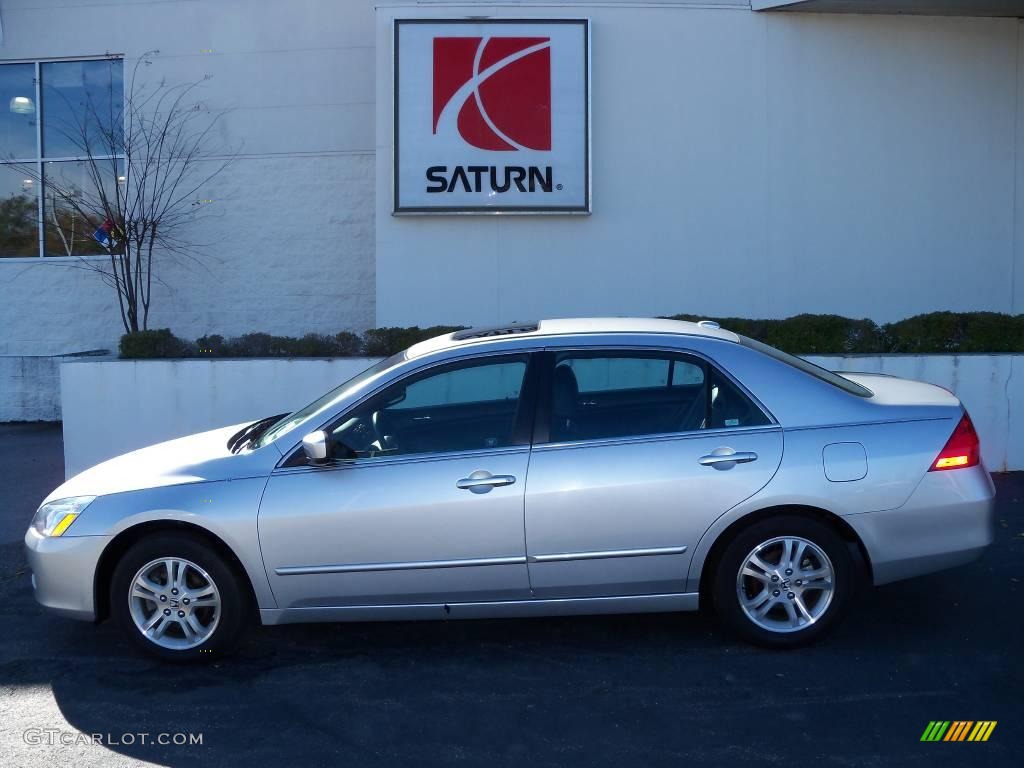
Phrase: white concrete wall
x=29 y=388
x=291 y=242
x=117 y=406
x=746 y=164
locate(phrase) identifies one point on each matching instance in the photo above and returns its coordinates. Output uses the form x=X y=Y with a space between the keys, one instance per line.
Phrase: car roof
x=570 y=327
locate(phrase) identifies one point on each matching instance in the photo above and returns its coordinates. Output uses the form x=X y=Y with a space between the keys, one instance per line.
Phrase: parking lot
x=604 y=691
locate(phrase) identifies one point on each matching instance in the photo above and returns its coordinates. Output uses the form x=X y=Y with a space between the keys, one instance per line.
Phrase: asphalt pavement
x=603 y=691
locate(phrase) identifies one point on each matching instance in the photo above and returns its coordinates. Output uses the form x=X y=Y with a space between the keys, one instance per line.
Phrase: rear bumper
x=63 y=570
x=947 y=521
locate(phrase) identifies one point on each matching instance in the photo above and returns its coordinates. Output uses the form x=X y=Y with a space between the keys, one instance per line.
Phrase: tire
x=197 y=623
x=767 y=618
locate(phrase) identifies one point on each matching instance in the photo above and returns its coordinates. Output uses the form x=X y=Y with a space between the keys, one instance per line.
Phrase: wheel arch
x=834 y=521
x=124 y=540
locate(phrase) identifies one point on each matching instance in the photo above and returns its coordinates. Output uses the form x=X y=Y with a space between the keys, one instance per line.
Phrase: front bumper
x=63 y=572
x=949 y=520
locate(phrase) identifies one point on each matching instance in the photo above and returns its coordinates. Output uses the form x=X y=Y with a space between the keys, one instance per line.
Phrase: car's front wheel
x=177 y=598
x=784 y=581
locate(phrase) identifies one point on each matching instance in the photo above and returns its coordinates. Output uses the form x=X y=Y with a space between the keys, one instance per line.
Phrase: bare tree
x=145 y=160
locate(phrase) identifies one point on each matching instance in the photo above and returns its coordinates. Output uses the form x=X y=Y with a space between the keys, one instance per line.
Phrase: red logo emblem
x=497 y=90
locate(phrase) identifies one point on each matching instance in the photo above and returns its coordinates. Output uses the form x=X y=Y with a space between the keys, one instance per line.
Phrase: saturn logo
x=494 y=91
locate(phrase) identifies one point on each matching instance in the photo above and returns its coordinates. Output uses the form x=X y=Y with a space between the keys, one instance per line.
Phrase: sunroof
x=498 y=330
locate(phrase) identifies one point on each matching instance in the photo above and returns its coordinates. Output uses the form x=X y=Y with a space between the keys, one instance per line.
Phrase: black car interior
x=609 y=413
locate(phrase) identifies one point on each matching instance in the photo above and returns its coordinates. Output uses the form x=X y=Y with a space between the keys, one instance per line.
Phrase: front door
x=631 y=467
x=429 y=510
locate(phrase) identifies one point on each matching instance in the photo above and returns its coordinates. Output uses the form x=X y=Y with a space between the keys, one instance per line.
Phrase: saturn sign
x=491 y=116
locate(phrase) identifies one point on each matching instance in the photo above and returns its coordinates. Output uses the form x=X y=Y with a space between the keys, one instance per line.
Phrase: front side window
x=465 y=406
x=596 y=396
x=61 y=150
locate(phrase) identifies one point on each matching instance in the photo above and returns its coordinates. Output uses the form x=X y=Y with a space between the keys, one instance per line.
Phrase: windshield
x=319 y=406
x=814 y=370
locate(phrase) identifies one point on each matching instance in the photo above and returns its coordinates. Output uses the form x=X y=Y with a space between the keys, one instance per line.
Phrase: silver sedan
x=562 y=467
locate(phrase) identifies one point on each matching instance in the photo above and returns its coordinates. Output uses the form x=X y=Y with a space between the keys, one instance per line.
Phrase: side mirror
x=316 y=445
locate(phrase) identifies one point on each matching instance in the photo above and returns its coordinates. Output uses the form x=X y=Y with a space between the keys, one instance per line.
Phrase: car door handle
x=482 y=481
x=722 y=456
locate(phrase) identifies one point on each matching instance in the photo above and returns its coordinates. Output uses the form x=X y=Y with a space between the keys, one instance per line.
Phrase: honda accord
x=579 y=466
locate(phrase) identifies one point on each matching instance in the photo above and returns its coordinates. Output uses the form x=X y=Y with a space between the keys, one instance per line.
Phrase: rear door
x=635 y=453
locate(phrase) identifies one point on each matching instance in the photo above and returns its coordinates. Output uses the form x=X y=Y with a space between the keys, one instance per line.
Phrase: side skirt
x=575 y=606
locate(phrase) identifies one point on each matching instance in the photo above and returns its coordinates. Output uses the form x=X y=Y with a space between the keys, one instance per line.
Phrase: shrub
x=211 y=346
x=343 y=344
x=824 y=334
x=954 y=332
x=155 y=343
x=381 y=342
x=348 y=344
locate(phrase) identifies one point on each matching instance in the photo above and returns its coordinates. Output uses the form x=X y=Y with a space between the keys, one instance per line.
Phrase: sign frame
x=585 y=209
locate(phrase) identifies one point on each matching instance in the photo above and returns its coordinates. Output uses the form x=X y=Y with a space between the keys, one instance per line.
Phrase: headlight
x=54 y=518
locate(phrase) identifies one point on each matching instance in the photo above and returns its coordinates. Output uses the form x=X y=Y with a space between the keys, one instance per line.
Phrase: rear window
x=816 y=371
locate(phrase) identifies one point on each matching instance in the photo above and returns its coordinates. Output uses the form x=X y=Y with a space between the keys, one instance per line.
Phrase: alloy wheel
x=174 y=603
x=785 y=584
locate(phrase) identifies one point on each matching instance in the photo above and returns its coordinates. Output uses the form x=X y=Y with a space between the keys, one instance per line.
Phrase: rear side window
x=730 y=407
x=605 y=374
x=851 y=387
x=607 y=395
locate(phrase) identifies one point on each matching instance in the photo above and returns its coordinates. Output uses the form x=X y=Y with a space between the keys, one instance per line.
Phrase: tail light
x=961 y=450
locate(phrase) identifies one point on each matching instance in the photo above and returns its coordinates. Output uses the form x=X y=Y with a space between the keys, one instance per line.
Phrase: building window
x=61 y=150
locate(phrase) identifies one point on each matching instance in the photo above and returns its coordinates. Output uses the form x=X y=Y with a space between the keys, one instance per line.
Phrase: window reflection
x=73 y=203
x=82 y=106
x=18 y=112
x=19 y=231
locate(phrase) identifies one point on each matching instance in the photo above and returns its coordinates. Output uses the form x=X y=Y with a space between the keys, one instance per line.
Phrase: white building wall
x=745 y=164
x=291 y=244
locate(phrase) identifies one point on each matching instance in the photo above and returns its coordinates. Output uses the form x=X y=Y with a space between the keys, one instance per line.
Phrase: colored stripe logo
x=959 y=730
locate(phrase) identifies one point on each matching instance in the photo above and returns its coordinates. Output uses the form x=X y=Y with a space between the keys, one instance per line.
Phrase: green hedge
x=809 y=334
x=936 y=332
x=376 y=342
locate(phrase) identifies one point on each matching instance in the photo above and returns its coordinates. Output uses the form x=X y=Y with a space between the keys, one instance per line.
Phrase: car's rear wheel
x=784 y=581
x=177 y=598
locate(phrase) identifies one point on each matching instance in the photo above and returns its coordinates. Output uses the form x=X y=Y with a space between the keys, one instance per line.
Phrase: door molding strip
x=561 y=557
x=308 y=570
x=604 y=555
